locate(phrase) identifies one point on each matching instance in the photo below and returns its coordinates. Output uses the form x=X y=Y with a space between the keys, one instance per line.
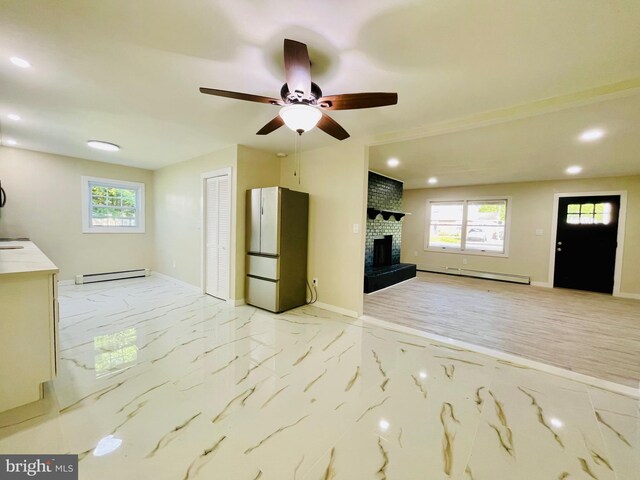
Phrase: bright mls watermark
x=51 y=467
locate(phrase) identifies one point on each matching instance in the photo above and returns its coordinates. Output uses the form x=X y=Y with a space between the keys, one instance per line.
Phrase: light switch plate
x=356 y=228
x=539 y=232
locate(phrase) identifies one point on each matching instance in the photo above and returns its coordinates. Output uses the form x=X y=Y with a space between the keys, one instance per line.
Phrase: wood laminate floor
x=589 y=333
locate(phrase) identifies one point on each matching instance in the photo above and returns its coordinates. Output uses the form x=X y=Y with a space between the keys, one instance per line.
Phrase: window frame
x=87 y=227
x=463 y=236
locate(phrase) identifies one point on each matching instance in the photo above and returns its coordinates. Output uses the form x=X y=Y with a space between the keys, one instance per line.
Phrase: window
x=589 y=213
x=112 y=206
x=470 y=226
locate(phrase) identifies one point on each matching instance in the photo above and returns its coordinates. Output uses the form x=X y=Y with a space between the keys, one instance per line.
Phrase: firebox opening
x=382 y=251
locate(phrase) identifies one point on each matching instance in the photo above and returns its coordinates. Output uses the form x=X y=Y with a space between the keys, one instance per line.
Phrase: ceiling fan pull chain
x=298 y=153
x=296 y=164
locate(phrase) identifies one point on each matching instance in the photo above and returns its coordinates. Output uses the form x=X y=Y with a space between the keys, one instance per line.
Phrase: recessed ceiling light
x=20 y=62
x=13 y=116
x=383 y=424
x=393 y=162
x=556 y=422
x=432 y=181
x=423 y=374
x=592 y=135
x=574 y=170
x=11 y=141
x=99 y=145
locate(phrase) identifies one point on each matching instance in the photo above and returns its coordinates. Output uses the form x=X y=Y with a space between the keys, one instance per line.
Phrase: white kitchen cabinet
x=28 y=323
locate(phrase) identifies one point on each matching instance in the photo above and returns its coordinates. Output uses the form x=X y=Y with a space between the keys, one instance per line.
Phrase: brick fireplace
x=384 y=234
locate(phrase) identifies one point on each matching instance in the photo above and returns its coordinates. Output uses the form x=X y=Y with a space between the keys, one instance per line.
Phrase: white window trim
x=461 y=251
x=86 y=213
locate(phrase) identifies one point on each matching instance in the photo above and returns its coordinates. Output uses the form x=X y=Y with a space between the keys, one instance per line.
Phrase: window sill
x=117 y=230
x=478 y=253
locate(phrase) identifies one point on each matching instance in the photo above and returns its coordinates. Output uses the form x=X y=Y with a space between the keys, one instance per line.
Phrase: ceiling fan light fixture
x=300 y=117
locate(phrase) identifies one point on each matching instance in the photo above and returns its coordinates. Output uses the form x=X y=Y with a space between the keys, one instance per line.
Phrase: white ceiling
x=128 y=72
x=538 y=147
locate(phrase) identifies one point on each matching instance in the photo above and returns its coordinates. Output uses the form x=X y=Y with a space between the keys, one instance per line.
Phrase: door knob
x=559 y=243
x=559 y=249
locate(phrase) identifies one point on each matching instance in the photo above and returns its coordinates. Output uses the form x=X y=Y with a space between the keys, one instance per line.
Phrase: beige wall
x=44 y=204
x=179 y=211
x=255 y=169
x=531 y=209
x=178 y=215
x=336 y=178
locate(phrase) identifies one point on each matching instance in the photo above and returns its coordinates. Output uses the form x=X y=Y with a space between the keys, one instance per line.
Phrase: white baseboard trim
x=66 y=282
x=195 y=288
x=510 y=358
x=463 y=272
x=634 y=296
x=236 y=303
x=542 y=284
x=333 y=308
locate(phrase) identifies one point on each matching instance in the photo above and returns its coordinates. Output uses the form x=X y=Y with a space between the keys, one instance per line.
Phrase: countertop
x=28 y=259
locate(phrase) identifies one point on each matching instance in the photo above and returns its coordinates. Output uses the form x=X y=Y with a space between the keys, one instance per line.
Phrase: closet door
x=217 y=236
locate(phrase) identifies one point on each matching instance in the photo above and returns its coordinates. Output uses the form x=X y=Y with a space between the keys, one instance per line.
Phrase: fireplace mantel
x=372 y=213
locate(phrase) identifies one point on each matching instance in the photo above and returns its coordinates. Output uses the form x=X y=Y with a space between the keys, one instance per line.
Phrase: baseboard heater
x=109 y=276
x=503 y=277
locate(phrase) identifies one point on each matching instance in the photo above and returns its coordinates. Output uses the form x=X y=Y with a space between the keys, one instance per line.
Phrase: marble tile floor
x=158 y=381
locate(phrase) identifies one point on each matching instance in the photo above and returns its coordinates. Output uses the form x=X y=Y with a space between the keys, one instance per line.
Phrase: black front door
x=586 y=243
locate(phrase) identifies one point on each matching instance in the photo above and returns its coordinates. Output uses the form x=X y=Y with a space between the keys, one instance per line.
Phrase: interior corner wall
x=531 y=209
x=178 y=216
x=255 y=169
x=336 y=179
x=44 y=204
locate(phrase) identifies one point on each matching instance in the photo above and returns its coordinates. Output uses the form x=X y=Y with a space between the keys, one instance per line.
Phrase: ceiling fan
x=301 y=100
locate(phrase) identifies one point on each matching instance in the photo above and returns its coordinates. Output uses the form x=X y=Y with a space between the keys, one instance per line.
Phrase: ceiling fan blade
x=274 y=124
x=333 y=128
x=241 y=96
x=297 y=67
x=352 y=101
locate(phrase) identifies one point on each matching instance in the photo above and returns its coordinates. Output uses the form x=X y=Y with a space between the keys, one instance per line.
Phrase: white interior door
x=217 y=236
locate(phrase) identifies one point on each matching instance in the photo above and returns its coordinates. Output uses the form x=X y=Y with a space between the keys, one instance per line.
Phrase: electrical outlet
x=173 y=264
x=315 y=282
x=464 y=261
x=415 y=253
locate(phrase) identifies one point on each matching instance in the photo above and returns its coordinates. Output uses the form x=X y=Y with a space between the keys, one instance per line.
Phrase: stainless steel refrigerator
x=277 y=225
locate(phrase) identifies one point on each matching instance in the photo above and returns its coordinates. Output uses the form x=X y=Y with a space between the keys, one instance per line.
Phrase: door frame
x=203 y=224
x=622 y=215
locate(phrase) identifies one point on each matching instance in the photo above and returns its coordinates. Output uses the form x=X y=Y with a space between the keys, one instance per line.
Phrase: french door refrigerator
x=277 y=225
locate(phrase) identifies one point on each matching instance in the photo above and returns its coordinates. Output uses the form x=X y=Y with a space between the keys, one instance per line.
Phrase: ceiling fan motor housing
x=296 y=96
